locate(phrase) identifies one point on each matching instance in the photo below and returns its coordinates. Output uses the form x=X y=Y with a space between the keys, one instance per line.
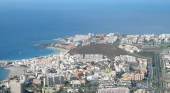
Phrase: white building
x=53 y=80
x=17 y=87
x=114 y=90
x=76 y=83
x=90 y=78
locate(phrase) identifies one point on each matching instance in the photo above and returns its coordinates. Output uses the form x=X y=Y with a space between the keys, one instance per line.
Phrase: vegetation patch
x=105 y=49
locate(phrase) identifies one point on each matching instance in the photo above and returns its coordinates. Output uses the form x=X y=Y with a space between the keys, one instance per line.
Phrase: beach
x=60 y=50
x=15 y=71
x=18 y=70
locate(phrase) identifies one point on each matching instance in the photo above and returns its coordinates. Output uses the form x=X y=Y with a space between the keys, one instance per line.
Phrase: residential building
x=17 y=87
x=114 y=90
x=53 y=80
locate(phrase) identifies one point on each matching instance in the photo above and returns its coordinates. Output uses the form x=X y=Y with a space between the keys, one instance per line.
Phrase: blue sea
x=3 y=73
x=25 y=23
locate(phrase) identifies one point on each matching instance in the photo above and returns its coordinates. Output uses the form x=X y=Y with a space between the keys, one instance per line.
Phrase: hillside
x=105 y=49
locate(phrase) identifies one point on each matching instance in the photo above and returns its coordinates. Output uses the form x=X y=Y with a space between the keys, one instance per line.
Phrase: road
x=157 y=71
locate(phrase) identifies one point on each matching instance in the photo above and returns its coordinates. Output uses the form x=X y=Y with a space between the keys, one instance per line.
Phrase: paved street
x=157 y=71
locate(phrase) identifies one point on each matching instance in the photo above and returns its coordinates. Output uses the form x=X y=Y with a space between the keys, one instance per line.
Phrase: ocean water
x=3 y=74
x=24 y=23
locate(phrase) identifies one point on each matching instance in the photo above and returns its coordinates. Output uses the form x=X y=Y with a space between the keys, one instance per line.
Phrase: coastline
x=60 y=50
x=15 y=71
x=18 y=70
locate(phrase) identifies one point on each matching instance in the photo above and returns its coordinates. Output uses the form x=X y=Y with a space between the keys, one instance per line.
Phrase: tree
x=80 y=90
x=66 y=83
x=92 y=63
x=168 y=46
x=60 y=90
x=168 y=38
x=7 y=91
x=41 y=91
x=54 y=89
x=119 y=75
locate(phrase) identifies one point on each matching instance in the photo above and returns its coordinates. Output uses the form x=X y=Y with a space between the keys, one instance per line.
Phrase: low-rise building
x=114 y=90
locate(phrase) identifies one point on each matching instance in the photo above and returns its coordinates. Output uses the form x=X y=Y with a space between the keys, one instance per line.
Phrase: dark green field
x=105 y=49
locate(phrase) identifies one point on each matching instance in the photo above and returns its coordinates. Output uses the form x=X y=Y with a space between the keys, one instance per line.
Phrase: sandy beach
x=18 y=71
x=15 y=71
x=60 y=50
